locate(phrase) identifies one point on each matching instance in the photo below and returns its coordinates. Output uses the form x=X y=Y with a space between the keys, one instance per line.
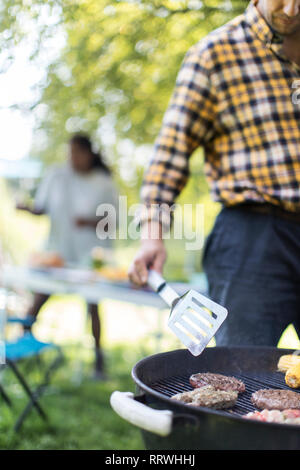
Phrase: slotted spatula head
x=194 y=318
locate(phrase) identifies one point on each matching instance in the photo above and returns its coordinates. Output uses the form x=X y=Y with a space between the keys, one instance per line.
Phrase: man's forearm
x=151 y=230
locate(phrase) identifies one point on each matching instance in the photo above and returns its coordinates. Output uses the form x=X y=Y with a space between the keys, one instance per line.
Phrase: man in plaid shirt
x=237 y=96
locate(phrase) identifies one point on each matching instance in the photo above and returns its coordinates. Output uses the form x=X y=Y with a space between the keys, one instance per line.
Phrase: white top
x=66 y=195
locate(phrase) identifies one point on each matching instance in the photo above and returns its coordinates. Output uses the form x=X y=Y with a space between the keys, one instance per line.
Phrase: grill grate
x=253 y=382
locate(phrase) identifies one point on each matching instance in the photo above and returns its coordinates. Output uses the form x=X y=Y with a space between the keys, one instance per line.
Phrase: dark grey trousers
x=252 y=262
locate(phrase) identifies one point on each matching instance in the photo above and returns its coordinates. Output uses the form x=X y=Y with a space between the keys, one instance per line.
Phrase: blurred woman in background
x=69 y=195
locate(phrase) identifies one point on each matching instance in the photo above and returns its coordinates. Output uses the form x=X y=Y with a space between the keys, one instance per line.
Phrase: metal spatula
x=193 y=318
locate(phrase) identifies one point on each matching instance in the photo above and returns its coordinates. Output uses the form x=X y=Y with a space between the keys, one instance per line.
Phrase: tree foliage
x=114 y=74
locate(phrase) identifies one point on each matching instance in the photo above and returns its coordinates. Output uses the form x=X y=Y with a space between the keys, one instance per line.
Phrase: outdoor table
x=82 y=282
x=88 y=285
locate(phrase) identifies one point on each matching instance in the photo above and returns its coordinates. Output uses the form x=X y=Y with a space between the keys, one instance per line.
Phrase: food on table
x=218 y=381
x=113 y=273
x=292 y=376
x=103 y=263
x=100 y=257
x=287 y=361
x=209 y=397
x=276 y=416
x=46 y=260
x=276 y=399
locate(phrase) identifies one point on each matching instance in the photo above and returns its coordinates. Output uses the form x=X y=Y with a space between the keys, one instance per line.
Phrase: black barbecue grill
x=182 y=426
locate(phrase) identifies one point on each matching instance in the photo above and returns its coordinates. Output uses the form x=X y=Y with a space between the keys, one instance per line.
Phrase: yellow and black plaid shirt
x=235 y=96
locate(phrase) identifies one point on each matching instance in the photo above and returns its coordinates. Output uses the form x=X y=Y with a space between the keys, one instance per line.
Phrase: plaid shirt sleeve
x=187 y=124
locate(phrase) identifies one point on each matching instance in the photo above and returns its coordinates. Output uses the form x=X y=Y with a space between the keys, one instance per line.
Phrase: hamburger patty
x=218 y=381
x=276 y=399
x=209 y=397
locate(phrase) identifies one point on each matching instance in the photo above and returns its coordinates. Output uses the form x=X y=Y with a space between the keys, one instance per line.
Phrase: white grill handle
x=156 y=421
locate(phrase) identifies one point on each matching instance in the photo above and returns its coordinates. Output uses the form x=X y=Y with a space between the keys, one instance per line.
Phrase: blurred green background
x=106 y=68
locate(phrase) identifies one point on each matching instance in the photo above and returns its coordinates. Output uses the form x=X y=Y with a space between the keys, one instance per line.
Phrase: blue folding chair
x=25 y=347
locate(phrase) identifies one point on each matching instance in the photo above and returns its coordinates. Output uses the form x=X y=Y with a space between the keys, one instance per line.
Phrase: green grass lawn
x=78 y=407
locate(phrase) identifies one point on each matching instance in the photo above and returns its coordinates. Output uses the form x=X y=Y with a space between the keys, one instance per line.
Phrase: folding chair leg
x=27 y=410
x=5 y=396
x=38 y=392
x=33 y=400
x=53 y=366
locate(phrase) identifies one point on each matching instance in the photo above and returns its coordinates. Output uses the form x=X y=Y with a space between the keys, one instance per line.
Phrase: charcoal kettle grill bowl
x=159 y=376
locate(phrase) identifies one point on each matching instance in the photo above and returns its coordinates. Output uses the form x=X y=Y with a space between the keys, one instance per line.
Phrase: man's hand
x=22 y=207
x=152 y=254
x=31 y=210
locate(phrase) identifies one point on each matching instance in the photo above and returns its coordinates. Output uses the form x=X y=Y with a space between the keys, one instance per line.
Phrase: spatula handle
x=159 y=285
x=155 y=280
